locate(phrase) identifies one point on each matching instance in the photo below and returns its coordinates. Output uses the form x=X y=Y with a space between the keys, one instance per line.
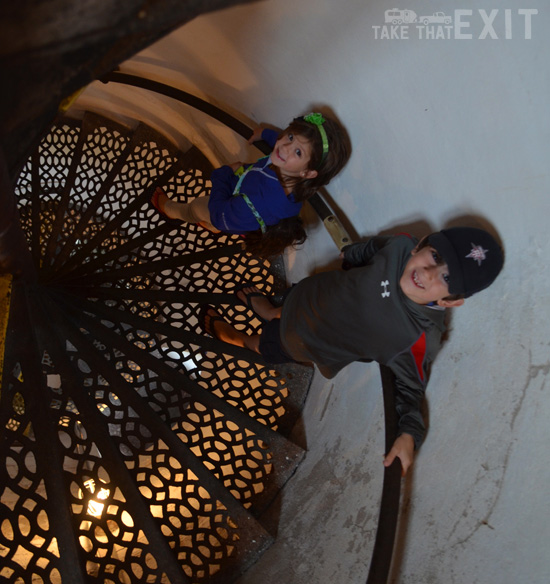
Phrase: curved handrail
x=391 y=489
x=389 y=505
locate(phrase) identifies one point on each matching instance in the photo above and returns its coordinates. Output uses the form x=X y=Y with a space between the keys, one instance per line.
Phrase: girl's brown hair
x=276 y=238
x=291 y=231
x=339 y=151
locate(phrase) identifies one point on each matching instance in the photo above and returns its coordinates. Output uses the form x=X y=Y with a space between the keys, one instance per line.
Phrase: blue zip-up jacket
x=231 y=213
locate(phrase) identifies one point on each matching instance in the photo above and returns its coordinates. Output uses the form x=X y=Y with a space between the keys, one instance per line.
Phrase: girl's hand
x=256 y=135
x=235 y=165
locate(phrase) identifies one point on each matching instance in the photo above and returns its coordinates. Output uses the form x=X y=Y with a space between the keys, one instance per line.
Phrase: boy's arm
x=359 y=254
x=411 y=377
x=410 y=425
x=402 y=448
x=408 y=402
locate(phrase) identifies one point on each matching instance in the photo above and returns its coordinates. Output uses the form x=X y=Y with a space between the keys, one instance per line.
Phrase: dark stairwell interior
x=186 y=445
x=136 y=448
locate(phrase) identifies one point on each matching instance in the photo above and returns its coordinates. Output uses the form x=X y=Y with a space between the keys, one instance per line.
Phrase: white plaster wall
x=440 y=129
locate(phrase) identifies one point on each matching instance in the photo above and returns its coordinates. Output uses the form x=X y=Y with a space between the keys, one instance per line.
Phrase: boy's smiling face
x=425 y=278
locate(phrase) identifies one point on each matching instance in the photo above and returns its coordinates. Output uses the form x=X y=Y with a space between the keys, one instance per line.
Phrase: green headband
x=317 y=120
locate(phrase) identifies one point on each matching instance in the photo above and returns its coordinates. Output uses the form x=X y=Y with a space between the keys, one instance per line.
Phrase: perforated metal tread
x=137 y=449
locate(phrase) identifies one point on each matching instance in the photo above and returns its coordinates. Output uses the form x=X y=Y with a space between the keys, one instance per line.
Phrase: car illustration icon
x=435 y=18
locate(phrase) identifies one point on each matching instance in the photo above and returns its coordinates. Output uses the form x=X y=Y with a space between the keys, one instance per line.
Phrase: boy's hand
x=403 y=448
x=235 y=165
x=256 y=135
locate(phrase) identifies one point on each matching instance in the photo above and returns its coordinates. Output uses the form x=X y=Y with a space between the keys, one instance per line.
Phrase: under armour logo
x=385 y=283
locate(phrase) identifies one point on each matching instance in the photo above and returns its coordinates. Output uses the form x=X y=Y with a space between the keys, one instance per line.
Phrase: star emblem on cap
x=477 y=253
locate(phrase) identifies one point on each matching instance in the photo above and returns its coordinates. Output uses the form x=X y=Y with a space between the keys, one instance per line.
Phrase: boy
x=389 y=308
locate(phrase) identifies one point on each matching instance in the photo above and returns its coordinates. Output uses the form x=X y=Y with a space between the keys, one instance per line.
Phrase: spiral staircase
x=135 y=448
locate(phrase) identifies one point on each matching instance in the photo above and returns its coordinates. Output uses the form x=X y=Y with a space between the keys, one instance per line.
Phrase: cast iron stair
x=135 y=448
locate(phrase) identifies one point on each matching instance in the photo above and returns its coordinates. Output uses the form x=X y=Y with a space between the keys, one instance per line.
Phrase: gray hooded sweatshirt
x=337 y=317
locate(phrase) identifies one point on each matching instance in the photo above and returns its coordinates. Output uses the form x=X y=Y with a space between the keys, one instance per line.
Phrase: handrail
x=391 y=489
x=389 y=506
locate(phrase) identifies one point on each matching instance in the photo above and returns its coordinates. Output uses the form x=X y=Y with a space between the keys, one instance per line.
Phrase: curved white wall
x=440 y=128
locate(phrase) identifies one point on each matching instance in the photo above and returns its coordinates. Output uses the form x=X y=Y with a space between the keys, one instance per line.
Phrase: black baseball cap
x=473 y=256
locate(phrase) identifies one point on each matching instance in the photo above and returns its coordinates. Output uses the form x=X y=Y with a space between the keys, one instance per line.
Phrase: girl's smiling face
x=291 y=155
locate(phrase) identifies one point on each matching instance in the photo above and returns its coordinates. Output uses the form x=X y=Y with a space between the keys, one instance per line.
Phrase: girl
x=262 y=200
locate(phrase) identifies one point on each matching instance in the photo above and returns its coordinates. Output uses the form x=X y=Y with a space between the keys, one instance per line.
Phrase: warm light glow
x=95 y=506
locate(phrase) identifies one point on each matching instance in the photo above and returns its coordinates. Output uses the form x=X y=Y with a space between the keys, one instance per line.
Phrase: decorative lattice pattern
x=141 y=447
